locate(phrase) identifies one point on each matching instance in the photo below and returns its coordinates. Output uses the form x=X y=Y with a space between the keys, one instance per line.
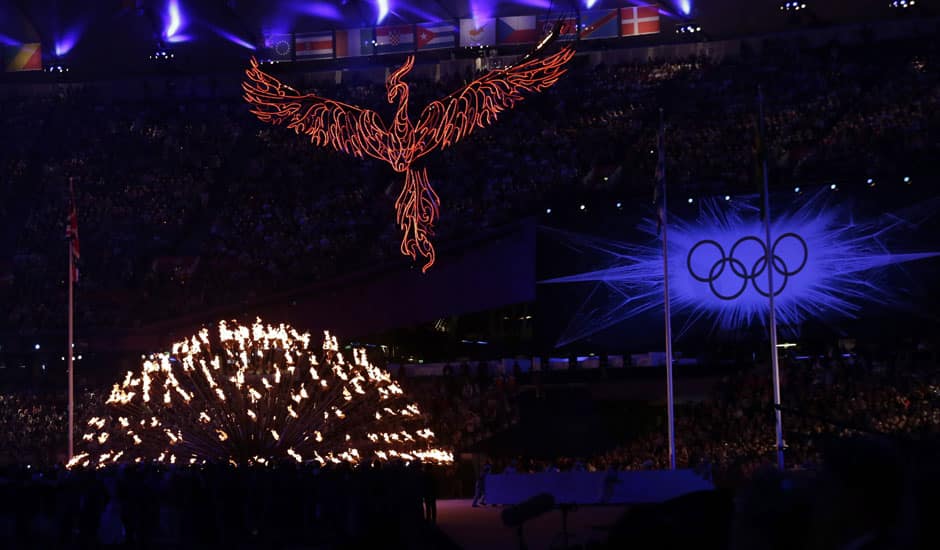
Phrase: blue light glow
x=685 y=6
x=481 y=11
x=7 y=41
x=65 y=43
x=825 y=262
x=383 y=10
x=322 y=9
x=174 y=19
x=589 y=3
x=232 y=38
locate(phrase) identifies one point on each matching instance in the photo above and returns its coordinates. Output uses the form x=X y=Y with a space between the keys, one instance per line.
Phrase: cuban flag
x=397 y=39
x=639 y=20
x=517 y=30
x=477 y=33
x=314 y=46
x=436 y=36
x=569 y=27
x=600 y=24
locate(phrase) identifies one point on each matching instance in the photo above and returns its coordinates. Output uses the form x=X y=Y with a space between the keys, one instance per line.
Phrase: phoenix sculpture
x=257 y=395
x=444 y=122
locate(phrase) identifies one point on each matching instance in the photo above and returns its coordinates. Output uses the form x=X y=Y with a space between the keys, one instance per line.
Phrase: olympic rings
x=738 y=269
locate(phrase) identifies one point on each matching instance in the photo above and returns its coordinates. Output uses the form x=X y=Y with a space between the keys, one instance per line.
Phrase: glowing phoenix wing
x=446 y=121
x=329 y=123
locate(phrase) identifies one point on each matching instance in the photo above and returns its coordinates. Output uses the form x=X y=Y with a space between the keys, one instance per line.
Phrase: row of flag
x=524 y=29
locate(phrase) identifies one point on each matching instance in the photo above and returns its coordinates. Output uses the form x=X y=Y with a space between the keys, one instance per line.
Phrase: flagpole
x=670 y=404
x=70 y=352
x=772 y=322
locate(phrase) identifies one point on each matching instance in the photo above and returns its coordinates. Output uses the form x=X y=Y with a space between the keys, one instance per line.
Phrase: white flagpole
x=70 y=352
x=774 y=360
x=670 y=404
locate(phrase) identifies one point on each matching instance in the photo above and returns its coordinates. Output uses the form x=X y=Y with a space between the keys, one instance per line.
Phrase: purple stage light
x=589 y=3
x=383 y=6
x=685 y=6
x=174 y=23
x=232 y=38
x=481 y=11
x=7 y=41
x=541 y=4
x=322 y=10
x=67 y=41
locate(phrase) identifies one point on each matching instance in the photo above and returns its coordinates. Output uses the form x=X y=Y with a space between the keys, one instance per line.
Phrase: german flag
x=25 y=57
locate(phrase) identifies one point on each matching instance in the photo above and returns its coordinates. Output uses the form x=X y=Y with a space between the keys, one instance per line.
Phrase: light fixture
x=833 y=187
x=583 y=207
x=727 y=197
x=796 y=189
x=548 y=210
x=691 y=200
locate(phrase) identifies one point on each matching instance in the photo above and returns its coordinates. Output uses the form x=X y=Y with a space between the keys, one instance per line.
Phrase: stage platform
x=482 y=528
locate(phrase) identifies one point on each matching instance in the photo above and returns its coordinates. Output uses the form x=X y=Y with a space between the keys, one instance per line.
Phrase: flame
x=234 y=392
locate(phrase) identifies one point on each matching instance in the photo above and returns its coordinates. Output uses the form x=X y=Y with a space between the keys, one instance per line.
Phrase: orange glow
x=444 y=122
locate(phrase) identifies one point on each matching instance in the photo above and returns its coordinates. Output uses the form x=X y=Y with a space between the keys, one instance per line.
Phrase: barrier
x=626 y=487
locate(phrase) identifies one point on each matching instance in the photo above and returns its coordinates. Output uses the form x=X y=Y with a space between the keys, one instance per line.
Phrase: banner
x=569 y=26
x=354 y=43
x=278 y=47
x=639 y=20
x=397 y=39
x=600 y=24
x=25 y=57
x=435 y=36
x=516 y=30
x=318 y=45
x=477 y=34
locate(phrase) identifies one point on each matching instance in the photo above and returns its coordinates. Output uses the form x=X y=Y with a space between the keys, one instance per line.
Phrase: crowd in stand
x=187 y=203
x=728 y=433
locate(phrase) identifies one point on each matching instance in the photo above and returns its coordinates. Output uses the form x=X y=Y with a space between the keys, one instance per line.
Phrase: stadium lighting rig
x=792 y=6
x=902 y=4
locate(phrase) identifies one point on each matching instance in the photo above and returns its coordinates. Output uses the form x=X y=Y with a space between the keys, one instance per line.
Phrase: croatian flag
x=397 y=39
x=354 y=43
x=568 y=31
x=639 y=20
x=435 y=36
x=517 y=30
x=477 y=33
x=600 y=24
x=314 y=46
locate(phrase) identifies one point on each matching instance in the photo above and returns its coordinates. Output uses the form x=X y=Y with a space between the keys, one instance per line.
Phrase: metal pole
x=70 y=352
x=775 y=364
x=670 y=404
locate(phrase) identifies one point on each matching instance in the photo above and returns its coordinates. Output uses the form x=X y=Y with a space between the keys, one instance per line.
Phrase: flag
x=397 y=39
x=516 y=30
x=434 y=36
x=278 y=47
x=318 y=45
x=569 y=26
x=71 y=232
x=599 y=24
x=659 y=191
x=639 y=20
x=25 y=57
x=354 y=43
x=477 y=34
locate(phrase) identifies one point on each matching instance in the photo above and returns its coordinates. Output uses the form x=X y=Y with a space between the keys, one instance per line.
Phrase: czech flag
x=517 y=30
